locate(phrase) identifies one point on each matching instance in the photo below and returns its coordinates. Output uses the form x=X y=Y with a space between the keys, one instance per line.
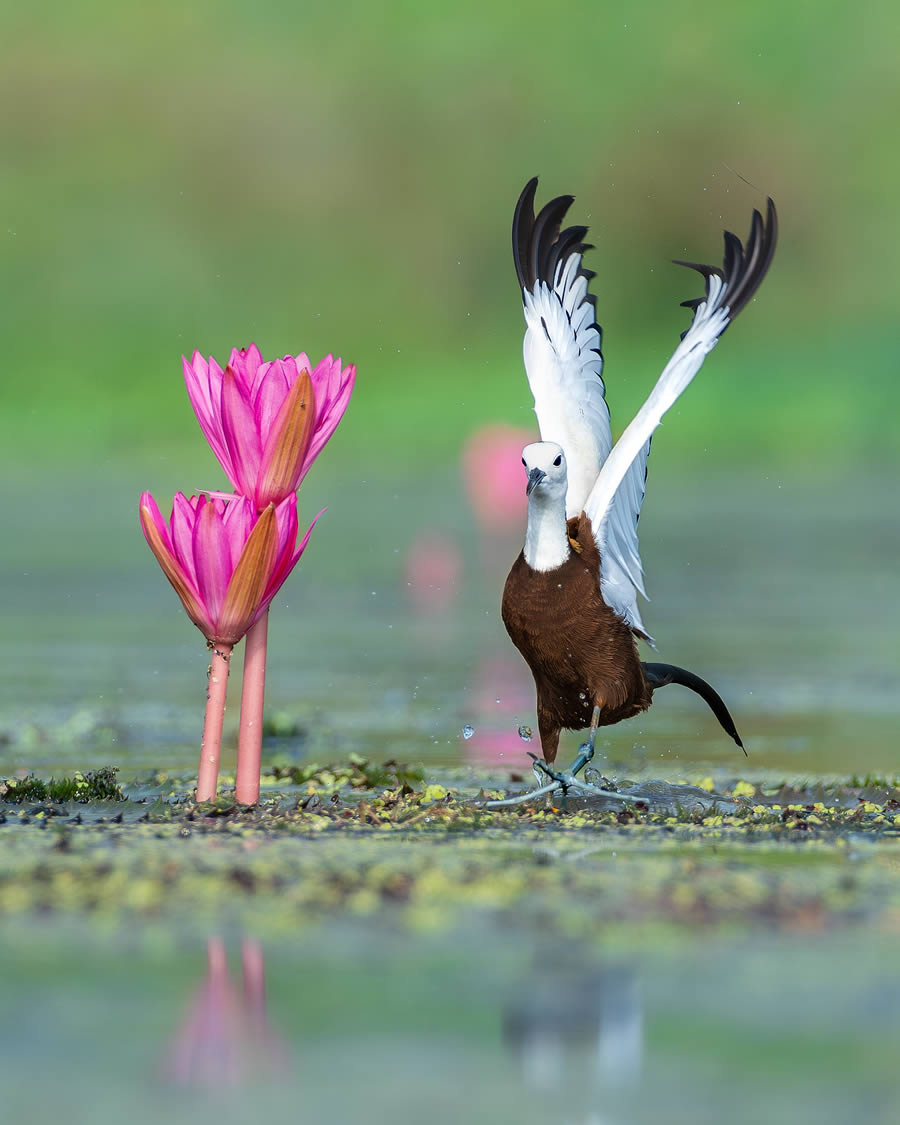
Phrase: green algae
x=94 y=785
x=429 y=856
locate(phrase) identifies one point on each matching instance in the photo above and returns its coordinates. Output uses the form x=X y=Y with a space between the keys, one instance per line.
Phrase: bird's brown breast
x=579 y=650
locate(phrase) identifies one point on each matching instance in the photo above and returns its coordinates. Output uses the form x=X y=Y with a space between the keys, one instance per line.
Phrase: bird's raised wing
x=621 y=572
x=615 y=500
x=562 y=353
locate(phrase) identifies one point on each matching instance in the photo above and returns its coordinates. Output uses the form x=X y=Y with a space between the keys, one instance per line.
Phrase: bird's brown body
x=581 y=653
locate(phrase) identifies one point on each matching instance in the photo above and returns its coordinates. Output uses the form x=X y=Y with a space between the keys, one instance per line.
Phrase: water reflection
x=474 y=1025
x=743 y=577
x=578 y=1024
x=225 y=1038
x=501 y=695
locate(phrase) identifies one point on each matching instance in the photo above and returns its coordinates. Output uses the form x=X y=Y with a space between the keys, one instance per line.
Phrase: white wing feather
x=621 y=573
x=710 y=321
x=615 y=500
x=564 y=368
x=564 y=365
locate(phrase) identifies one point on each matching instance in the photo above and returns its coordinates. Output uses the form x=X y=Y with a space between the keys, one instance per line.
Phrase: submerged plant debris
x=358 y=838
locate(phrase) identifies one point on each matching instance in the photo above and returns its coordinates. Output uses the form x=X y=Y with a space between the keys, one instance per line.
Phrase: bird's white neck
x=546 y=537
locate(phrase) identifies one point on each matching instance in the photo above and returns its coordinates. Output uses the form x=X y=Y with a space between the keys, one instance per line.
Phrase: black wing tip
x=538 y=242
x=743 y=268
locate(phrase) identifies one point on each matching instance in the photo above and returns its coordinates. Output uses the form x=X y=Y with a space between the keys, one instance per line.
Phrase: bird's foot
x=543 y=771
x=555 y=783
x=560 y=782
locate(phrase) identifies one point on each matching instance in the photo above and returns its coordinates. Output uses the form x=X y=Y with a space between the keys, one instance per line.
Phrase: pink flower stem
x=253 y=694
x=211 y=746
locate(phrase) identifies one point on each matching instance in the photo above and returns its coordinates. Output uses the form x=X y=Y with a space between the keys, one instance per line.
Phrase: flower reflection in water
x=225 y=1039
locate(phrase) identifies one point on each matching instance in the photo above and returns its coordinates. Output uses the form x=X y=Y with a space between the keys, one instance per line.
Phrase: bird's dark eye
x=558 y=460
x=523 y=462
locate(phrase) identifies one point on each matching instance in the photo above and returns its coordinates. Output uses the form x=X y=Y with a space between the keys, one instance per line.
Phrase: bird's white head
x=546 y=541
x=545 y=464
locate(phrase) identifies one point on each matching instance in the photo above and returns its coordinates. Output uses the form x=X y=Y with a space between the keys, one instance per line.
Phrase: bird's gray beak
x=534 y=479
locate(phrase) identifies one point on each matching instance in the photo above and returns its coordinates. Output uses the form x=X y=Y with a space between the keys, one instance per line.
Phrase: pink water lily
x=267 y=422
x=225 y=561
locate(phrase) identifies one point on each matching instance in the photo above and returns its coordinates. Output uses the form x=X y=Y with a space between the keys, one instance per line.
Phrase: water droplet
x=468 y=731
x=525 y=733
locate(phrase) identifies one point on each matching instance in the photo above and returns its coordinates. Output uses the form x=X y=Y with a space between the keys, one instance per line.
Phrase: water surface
x=387 y=639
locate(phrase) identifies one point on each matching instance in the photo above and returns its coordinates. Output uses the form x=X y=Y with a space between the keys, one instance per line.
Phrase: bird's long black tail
x=658 y=675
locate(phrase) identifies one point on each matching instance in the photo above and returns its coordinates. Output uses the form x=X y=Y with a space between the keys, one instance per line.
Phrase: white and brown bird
x=570 y=601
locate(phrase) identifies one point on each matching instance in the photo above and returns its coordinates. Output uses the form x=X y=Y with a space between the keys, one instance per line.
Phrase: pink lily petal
x=154 y=514
x=233 y=560
x=212 y=557
x=287 y=563
x=203 y=381
x=287 y=537
x=157 y=539
x=246 y=362
x=241 y=435
x=270 y=393
x=184 y=515
x=238 y=520
x=240 y=409
x=196 y=378
x=333 y=389
x=214 y=495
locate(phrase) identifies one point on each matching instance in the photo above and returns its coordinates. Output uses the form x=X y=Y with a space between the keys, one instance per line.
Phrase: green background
x=342 y=179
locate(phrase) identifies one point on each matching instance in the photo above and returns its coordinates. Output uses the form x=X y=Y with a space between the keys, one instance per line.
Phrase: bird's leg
x=549 y=746
x=550 y=743
x=586 y=751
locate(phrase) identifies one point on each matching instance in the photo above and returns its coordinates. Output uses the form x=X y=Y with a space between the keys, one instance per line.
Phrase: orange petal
x=175 y=574
x=288 y=442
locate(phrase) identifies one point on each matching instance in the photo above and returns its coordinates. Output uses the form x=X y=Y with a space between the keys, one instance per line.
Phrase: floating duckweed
x=685 y=857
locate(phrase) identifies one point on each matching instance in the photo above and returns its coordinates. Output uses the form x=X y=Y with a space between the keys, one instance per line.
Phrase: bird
x=570 y=600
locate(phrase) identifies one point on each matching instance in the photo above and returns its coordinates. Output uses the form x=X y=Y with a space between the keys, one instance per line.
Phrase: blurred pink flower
x=225 y=561
x=501 y=696
x=433 y=572
x=267 y=422
x=492 y=470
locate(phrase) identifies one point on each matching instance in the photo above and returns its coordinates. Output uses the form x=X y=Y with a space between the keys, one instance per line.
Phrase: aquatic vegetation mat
x=360 y=838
